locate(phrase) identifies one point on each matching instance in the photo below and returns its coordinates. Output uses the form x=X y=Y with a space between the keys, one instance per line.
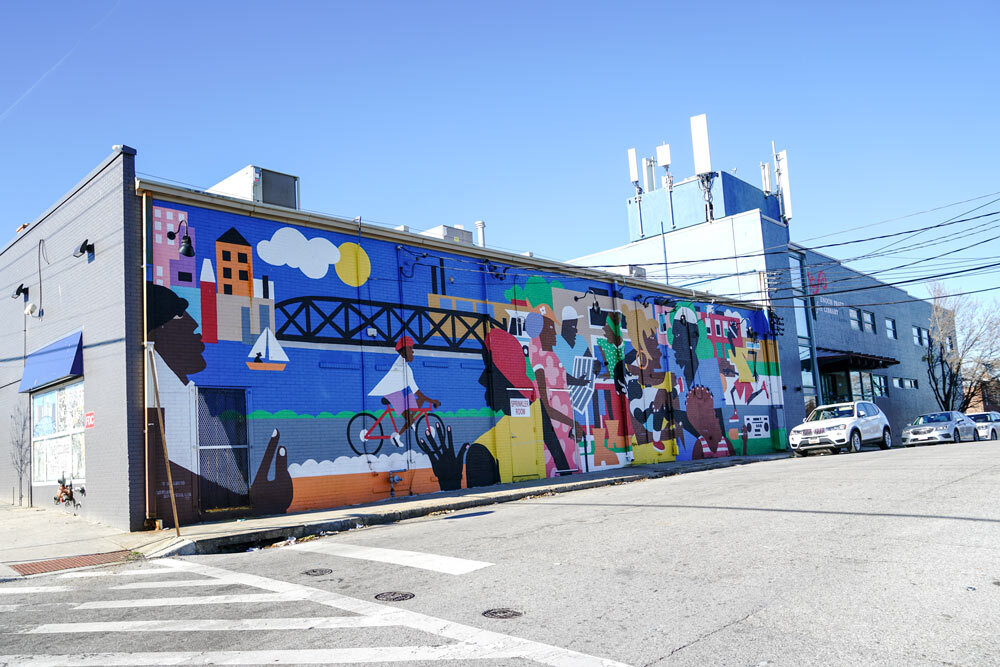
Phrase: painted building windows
x=57 y=443
x=890 y=328
x=921 y=337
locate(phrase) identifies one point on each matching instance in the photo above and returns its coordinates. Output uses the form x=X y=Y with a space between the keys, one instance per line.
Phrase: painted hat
x=405 y=341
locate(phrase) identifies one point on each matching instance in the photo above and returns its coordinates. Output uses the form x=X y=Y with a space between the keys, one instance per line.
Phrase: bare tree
x=964 y=347
x=20 y=446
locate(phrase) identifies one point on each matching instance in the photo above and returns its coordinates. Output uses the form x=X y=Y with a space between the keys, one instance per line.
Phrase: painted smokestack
x=481 y=233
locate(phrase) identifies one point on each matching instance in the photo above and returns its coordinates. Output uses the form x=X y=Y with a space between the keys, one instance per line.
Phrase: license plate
x=812 y=441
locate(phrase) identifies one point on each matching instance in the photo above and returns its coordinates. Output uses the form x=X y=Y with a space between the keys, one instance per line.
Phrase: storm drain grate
x=394 y=596
x=318 y=571
x=502 y=612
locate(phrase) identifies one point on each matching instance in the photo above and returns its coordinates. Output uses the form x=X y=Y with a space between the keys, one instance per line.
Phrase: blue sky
x=518 y=113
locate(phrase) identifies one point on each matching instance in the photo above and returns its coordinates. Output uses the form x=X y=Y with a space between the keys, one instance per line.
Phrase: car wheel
x=797 y=454
x=993 y=435
x=855 y=442
x=835 y=450
x=975 y=435
x=886 y=439
x=956 y=436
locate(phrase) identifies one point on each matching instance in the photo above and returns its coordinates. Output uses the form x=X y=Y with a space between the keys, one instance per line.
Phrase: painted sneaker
x=395 y=439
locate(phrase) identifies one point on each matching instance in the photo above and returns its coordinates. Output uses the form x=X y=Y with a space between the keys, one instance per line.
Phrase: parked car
x=939 y=427
x=987 y=423
x=832 y=427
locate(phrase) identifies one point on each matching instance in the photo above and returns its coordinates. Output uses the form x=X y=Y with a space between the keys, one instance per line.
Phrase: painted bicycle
x=366 y=432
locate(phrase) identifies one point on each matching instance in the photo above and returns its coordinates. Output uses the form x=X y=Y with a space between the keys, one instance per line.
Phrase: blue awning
x=53 y=363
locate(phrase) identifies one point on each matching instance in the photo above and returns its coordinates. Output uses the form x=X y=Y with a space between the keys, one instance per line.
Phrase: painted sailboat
x=266 y=354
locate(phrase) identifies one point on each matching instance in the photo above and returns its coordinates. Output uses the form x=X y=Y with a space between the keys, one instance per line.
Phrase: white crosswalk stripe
x=449 y=641
x=425 y=561
x=86 y=574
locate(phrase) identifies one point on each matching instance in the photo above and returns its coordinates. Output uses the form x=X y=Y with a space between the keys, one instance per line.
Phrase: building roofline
x=115 y=152
x=342 y=225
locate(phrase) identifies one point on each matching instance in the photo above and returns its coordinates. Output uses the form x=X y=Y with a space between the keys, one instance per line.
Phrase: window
x=244 y=275
x=880 y=385
x=868 y=321
x=904 y=383
x=950 y=345
x=718 y=329
x=57 y=425
x=890 y=328
x=227 y=272
x=805 y=360
x=227 y=256
x=855 y=316
x=184 y=277
x=159 y=271
x=227 y=289
x=897 y=383
x=921 y=337
x=242 y=258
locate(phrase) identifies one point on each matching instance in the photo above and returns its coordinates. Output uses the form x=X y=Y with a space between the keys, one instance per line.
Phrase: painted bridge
x=324 y=319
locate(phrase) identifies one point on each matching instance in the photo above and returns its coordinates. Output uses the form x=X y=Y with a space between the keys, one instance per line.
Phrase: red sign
x=88 y=420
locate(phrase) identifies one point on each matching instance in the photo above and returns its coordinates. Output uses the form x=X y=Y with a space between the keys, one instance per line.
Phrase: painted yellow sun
x=354 y=266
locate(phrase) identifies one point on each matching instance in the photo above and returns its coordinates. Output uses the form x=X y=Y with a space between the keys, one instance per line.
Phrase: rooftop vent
x=456 y=234
x=260 y=186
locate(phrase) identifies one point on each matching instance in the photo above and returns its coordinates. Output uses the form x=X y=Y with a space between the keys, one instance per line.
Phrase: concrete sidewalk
x=38 y=534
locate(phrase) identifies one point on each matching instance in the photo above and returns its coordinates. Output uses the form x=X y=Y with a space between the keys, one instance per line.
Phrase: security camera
x=30 y=309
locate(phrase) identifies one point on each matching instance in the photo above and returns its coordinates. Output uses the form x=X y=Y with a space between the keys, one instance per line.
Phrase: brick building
x=298 y=361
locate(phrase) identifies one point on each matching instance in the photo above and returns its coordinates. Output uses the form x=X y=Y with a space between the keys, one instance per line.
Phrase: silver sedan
x=939 y=427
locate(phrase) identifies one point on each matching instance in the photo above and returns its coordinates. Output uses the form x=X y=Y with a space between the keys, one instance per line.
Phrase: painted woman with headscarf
x=553 y=389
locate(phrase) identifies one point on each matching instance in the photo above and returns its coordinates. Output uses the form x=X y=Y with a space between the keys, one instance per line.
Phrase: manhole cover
x=318 y=571
x=394 y=596
x=503 y=612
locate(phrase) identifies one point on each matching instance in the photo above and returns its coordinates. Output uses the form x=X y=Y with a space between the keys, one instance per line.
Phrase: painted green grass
x=347 y=414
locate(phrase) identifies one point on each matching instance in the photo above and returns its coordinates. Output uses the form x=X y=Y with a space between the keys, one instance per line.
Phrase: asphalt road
x=889 y=558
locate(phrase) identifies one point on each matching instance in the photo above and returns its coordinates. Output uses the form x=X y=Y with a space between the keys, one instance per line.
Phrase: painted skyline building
x=385 y=363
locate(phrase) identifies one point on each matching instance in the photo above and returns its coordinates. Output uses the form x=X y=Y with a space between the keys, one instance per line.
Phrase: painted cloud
x=288 y=246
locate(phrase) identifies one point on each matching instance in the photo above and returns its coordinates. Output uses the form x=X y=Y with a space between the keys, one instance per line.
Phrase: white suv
x=830 y=427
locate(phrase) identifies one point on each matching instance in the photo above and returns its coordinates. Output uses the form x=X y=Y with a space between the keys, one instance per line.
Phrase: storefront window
x=57 y=442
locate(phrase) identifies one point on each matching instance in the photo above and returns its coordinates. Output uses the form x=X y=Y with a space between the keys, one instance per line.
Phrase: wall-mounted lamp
x=20 y=291
x=86 y=248
x=186 y=249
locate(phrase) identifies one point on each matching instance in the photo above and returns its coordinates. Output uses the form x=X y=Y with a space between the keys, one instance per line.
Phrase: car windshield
x=981 y=417
x=934 y=418
x=833 y=412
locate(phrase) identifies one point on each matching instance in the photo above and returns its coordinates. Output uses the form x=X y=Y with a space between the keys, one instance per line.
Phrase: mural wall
x=299 y=368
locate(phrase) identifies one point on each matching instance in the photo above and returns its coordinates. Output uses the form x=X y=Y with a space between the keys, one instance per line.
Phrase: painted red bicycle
x=366 y=432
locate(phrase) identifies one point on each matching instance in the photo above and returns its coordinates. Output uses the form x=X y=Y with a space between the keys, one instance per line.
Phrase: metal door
x=223 y=449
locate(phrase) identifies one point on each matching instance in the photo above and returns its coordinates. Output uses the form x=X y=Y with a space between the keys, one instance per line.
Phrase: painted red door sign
x=88 y=420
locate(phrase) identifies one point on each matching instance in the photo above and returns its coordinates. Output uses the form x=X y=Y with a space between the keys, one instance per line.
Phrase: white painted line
x=185 y=601
x=32 y=590
x=424 y=561
x=483 y=639
x=404 y=654
x=178 y=583
x=213 y=625
x=118 y=573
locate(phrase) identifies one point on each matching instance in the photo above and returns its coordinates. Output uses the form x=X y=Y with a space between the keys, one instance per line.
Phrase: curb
x=427 y=506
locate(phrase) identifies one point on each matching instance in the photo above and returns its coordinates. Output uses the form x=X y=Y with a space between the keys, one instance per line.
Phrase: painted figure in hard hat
x=399 y=390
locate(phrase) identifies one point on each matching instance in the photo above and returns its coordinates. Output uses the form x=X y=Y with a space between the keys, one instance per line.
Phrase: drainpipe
x=146 y=203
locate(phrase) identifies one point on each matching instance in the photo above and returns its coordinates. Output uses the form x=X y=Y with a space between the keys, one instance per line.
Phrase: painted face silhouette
x=172 y=331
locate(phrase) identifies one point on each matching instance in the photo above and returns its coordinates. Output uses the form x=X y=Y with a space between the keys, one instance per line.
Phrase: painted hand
x=446 y=463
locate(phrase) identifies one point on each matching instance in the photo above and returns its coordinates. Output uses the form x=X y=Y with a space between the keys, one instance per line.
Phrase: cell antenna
x=703 y=161
x=633 y=170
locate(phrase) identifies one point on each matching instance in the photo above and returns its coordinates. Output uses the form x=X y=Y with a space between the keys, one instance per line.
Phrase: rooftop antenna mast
x=663 y=159
x=633 y=175
x=703 y=161
x=784 y=187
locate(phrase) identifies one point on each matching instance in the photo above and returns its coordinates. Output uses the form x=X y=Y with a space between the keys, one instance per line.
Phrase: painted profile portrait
x=172 y=331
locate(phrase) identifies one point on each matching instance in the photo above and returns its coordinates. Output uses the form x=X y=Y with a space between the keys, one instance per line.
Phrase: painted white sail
x=260 y=347
x=275 y=353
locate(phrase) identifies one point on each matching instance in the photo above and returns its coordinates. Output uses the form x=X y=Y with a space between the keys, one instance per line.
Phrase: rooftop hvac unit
x=260 y=185
x=637 y=271
x=454 y=234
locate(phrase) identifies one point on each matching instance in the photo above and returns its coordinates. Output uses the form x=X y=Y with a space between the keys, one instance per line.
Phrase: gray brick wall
x=92 y=295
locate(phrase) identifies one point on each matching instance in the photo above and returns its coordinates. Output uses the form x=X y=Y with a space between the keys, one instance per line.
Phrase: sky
x=518 y=113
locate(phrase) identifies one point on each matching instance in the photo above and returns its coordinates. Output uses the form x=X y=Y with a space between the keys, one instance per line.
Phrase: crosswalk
x=186 y=612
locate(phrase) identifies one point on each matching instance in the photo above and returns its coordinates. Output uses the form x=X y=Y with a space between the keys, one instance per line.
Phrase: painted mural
x=299 y=369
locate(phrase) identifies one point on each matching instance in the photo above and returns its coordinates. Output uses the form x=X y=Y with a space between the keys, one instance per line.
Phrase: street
x=881 y=557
